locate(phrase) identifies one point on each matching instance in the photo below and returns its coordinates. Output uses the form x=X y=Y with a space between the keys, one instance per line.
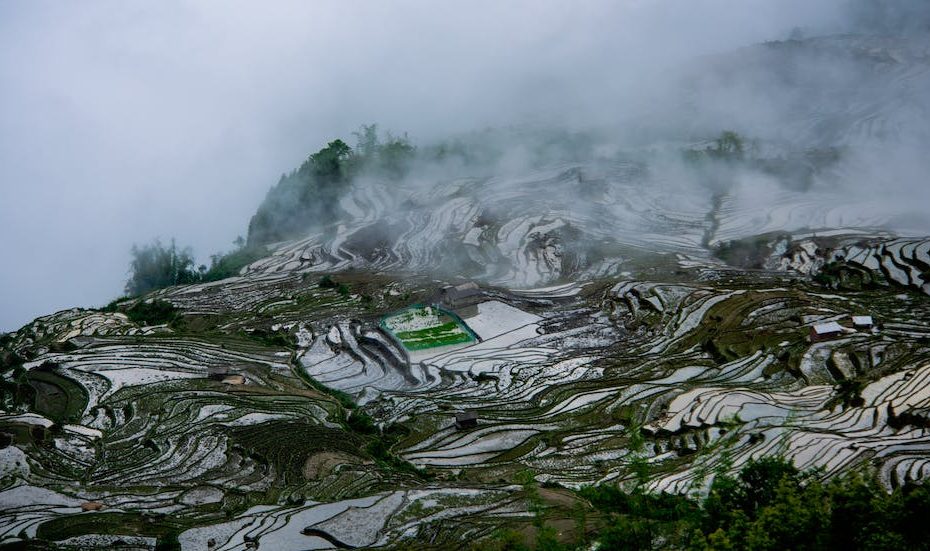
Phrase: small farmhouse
x=455 y=295
x=862 y=322
x=825 y=331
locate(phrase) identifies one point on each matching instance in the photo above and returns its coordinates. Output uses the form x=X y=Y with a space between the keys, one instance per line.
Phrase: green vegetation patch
x=57 y=397
x=423 y=327
x=163 y=527
x=287 y=445
x=769 y=504
x=46 y=392
x=152 y=312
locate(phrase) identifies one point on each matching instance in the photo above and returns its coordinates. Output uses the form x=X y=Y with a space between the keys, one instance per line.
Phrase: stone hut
x=466 y=420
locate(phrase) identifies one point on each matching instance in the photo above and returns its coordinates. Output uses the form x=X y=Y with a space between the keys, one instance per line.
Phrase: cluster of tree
x=796 y=169
x=152 y=312
x=308 y=197
x=302 y=200
x=729 y=146
x=840 y=275
x=327 y=282
x=772 y=505
x=223 y=265
x=156 y=266
x=769 y=505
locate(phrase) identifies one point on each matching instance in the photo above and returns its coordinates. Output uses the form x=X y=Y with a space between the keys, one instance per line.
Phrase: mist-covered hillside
x=821 y=125
x=699 y=321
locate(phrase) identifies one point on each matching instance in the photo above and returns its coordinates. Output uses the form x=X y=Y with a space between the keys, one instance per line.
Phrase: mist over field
x=123 y=122
x=476 y=275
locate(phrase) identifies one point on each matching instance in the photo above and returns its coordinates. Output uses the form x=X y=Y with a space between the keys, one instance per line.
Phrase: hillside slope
x=641 y=315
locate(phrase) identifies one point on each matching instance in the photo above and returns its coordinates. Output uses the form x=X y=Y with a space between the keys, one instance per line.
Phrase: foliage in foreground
x=769 y=505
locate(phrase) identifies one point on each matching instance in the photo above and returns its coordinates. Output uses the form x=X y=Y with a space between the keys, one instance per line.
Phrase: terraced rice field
x=635 y=321
x=579 y=364
x=341 y=435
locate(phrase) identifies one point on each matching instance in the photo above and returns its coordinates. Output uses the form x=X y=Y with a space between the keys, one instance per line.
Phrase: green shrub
x=361 y=422
x=231 y=263
x=152 y=312
x=769 y=504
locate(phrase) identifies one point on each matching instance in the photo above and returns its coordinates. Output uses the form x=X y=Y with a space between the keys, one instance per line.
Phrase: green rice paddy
x=423 y=327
